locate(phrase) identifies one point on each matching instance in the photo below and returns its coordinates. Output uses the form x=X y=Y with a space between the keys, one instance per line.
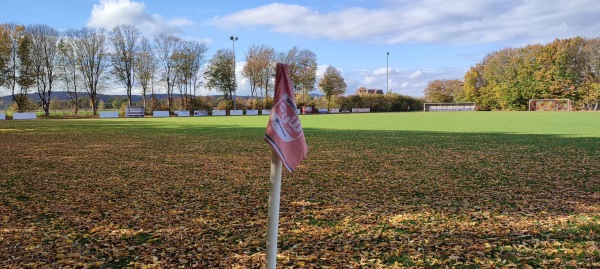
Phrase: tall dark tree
x=92 y=59
x=219 y=73
x=44 y=54
x=189 y=59
x=68 y=67
x=306 y=72
x=146 y=67
x=124 y=39
x=166 y=46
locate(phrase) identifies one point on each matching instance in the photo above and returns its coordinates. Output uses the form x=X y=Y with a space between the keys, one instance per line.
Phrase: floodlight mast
x=233 y=39
x=387 y=72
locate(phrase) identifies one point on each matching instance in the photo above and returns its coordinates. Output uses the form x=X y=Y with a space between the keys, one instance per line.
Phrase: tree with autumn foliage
x=219 y=73
x=16 y=63
x=332 y=83
x=563 y=69
x=259 y=63
x=444 y=90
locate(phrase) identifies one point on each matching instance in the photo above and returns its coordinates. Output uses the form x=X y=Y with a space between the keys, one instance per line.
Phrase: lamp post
x=387 y=72
x=233 y=39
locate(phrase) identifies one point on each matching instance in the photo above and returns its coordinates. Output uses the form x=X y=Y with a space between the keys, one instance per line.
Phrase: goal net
x=467 y=106
x=550 y=105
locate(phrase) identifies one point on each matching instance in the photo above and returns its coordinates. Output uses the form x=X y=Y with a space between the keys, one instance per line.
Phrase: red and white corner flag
x=286 y=138
x=284 y=130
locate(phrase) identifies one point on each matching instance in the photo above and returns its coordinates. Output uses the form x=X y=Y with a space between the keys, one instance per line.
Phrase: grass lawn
x=378 y=190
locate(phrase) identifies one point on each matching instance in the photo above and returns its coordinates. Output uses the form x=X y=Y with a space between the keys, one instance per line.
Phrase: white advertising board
x=109 y=114
x=200 y=113
x=2 y=116
x=307 y=109
x=361 y=110
x=251 y=112
x=134 y=112
x=334 y=110
x=219 y=112
x=160 y=114
x=182 y=113
x=265 y=112
x=24 y=116
x=237 y=112
x=323 y=110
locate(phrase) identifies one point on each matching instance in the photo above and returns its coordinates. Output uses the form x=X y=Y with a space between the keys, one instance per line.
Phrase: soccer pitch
x=379 y=190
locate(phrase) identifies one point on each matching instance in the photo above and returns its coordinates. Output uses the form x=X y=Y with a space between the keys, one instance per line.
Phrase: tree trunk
x=144 y=100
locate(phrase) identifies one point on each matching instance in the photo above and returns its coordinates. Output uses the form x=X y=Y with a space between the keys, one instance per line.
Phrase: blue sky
x=427 y=39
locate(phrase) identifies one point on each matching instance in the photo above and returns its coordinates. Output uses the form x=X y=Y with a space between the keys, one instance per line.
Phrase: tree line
x=507 y=79
x=87 y=61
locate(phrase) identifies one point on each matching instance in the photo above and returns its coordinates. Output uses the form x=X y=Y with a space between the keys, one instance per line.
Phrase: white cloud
x=321 y=71
x=369 y=80
x=416 y=74
x=402 y=81
x=380 y=71
x=438 y=21
x=109 y=13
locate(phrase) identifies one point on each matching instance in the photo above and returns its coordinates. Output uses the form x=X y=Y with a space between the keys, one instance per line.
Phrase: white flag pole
x=273 y=222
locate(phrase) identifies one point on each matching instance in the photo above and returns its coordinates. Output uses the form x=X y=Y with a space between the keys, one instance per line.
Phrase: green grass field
x=388 y=190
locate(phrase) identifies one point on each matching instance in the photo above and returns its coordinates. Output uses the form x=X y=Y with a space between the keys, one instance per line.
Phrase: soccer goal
x=467 y=106
x=550 y=105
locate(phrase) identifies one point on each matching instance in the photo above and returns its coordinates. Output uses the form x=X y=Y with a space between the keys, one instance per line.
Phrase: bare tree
x=124 y=39
x=146 y=67
x=306 y=72
x=199 y=50
x=68 y=68
x=258 y=59
x=44 y=54
x=90 y=50
x=302 y=67
x=166 y=46
x=291 y=59
x=264 y=63
x=188 y=62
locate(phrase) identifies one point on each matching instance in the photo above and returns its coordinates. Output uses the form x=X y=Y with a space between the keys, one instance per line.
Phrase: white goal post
x=465 y=106
x=550 y=105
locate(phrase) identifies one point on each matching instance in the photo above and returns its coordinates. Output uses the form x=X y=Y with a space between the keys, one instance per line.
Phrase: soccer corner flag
x=284 y=131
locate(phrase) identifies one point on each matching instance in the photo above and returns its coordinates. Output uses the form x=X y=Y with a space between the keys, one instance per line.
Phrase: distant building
x=363 y=90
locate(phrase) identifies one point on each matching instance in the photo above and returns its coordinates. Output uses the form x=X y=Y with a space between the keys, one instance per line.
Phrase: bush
x=26 y=104
x=224 y=104
x=382 y=103
x=241 y=103
x=199 y=103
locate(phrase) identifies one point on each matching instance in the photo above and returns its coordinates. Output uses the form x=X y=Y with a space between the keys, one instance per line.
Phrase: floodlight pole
x=387 y=72
x=233 y=39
